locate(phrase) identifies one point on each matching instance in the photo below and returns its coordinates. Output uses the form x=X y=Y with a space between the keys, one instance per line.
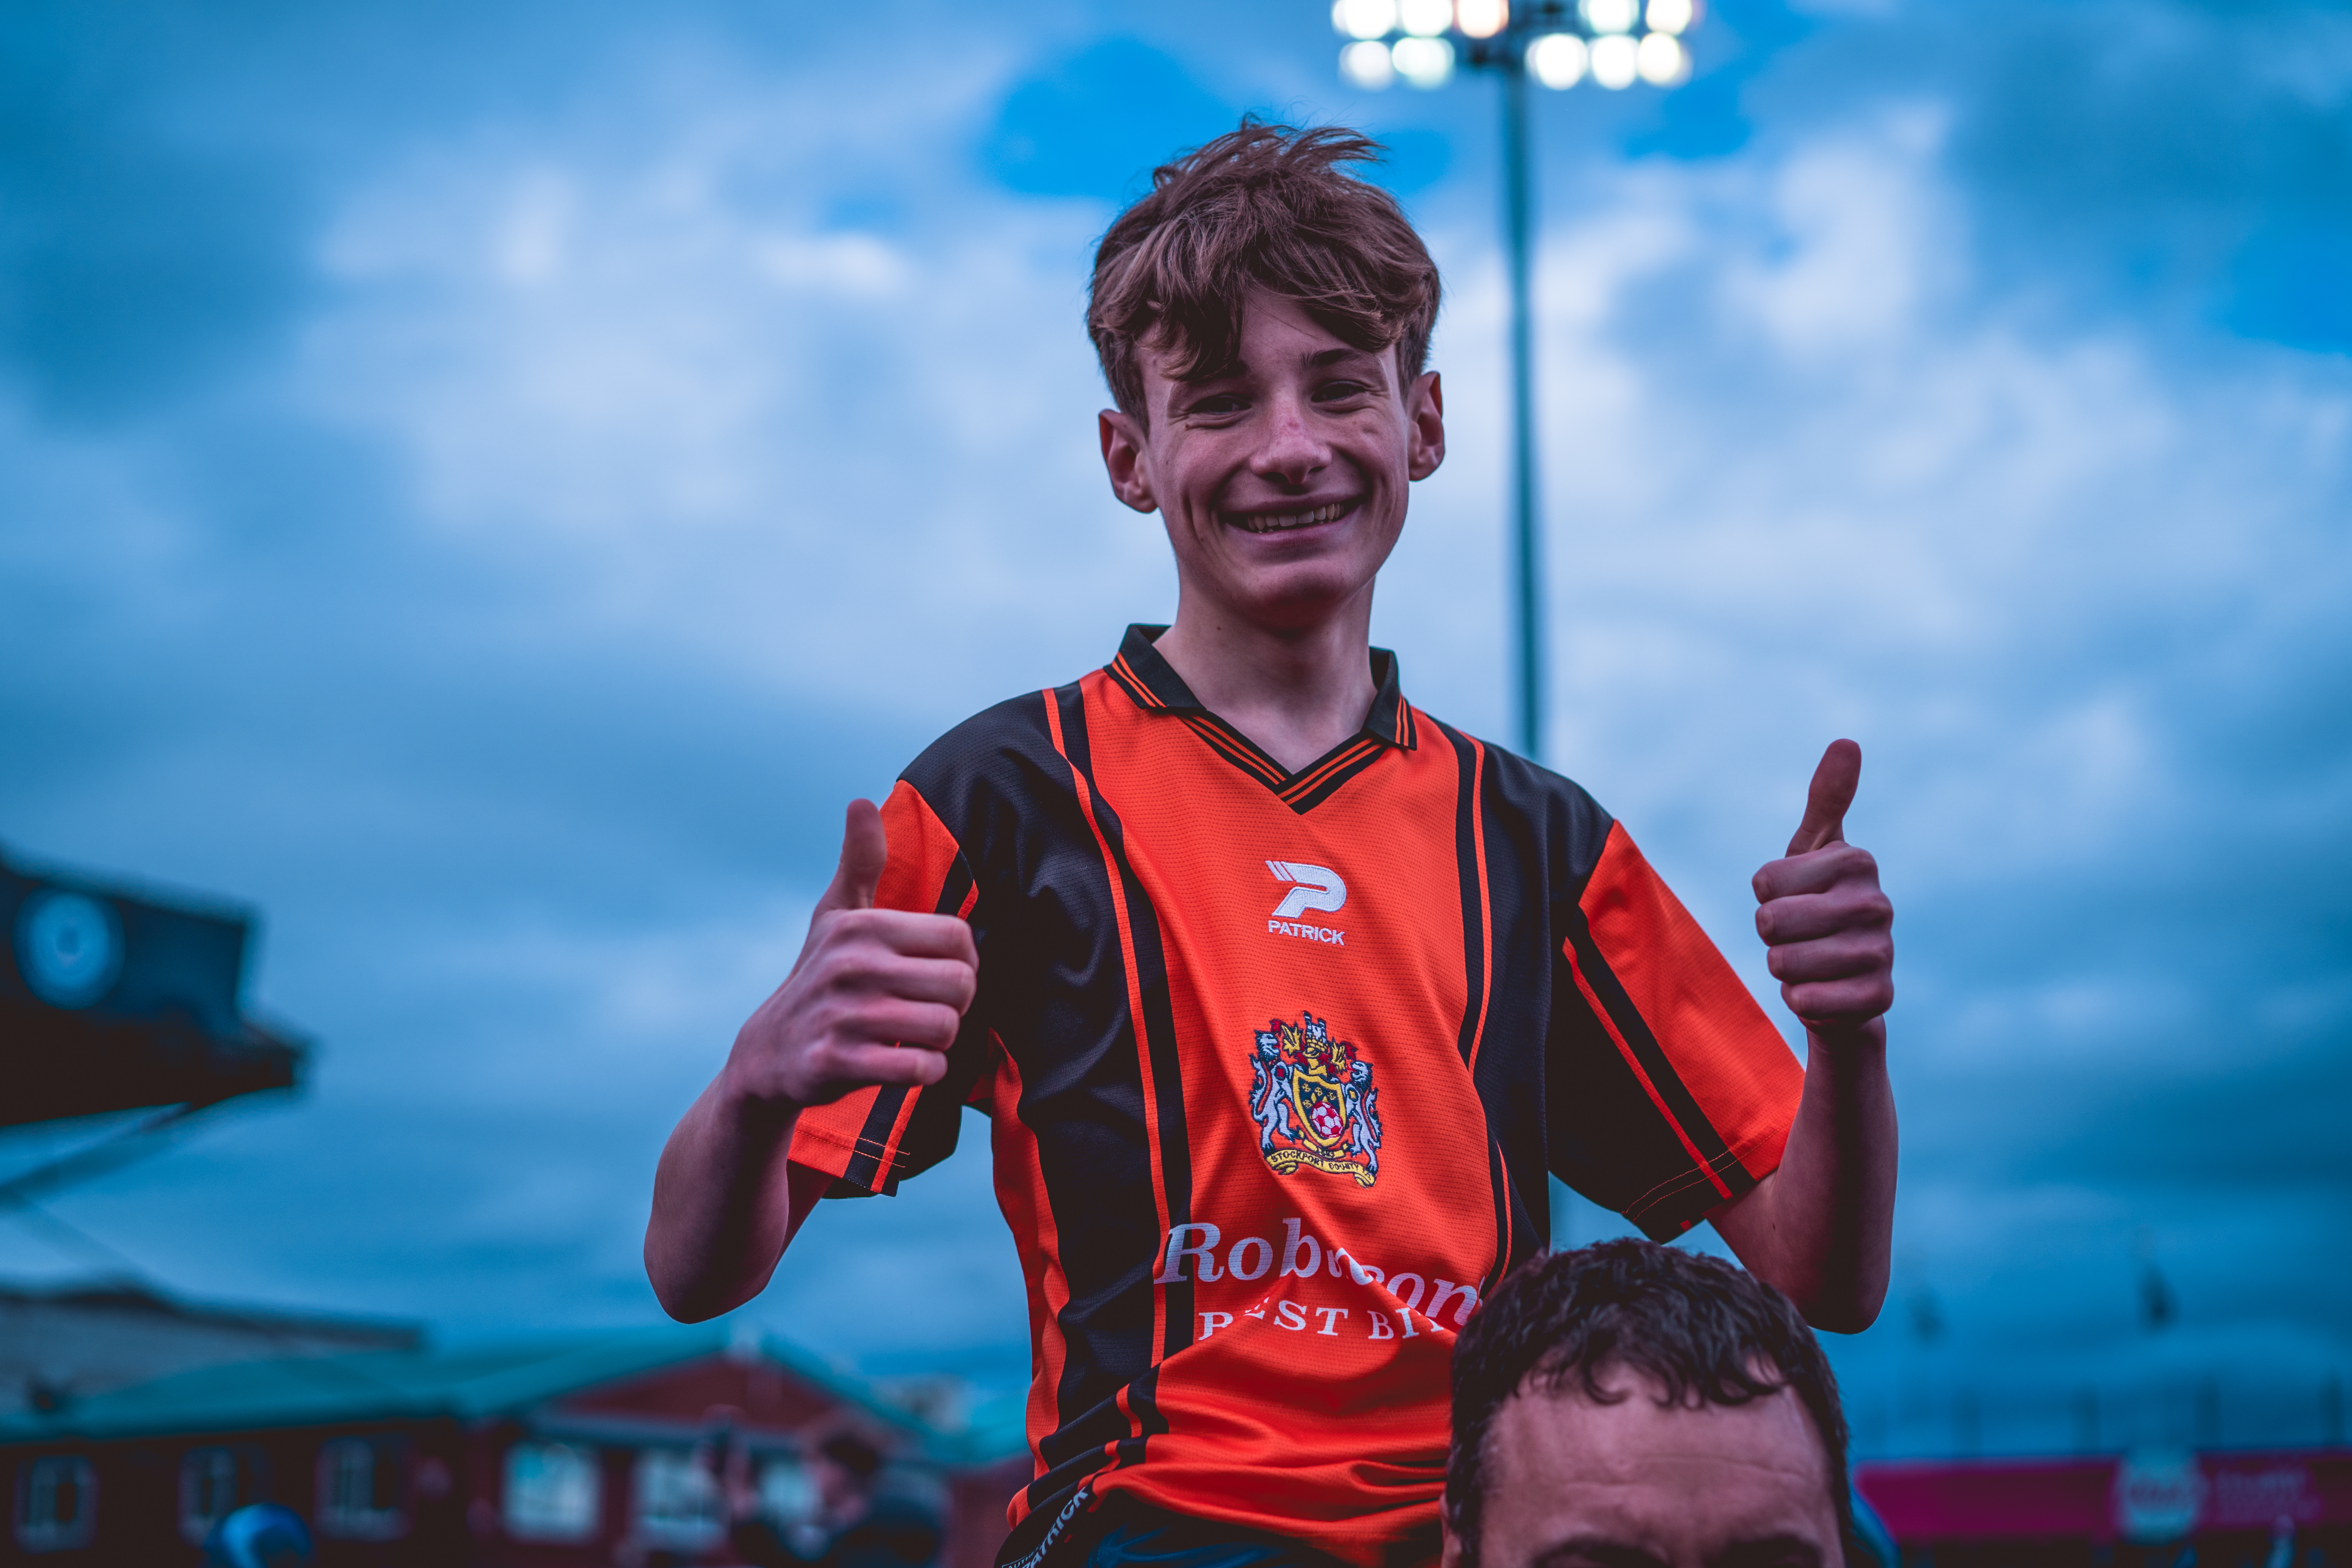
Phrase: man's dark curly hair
x=1264 y=207
x=1703 y=1331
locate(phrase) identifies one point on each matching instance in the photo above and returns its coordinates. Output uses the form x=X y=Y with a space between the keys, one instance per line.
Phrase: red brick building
x=559 y=1452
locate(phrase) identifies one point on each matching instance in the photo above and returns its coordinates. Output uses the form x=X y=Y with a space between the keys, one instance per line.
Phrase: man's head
x=1631 y=1404
x=845 y=1470
x=1263 y=316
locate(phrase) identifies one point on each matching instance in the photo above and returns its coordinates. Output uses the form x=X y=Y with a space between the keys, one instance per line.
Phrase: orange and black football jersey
x=1276 y=1064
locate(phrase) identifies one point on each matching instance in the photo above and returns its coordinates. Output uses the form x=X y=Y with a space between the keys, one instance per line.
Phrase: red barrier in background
x=2138 y=1496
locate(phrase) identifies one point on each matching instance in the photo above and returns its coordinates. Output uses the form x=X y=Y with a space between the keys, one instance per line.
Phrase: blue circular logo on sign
x=69 y=947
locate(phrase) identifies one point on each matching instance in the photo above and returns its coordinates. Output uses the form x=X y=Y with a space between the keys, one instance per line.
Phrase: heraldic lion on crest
x=1313 y=1100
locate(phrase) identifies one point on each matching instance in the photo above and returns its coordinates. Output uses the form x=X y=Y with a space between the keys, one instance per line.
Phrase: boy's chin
x=1301 y=596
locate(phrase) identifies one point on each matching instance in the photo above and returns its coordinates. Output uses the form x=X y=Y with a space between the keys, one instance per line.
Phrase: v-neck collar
x=1144 y=675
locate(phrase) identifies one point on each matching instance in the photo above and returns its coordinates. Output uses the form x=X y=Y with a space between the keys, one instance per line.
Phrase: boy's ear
x=1122 y=453
x=1451 y=1556
x=1425 y=441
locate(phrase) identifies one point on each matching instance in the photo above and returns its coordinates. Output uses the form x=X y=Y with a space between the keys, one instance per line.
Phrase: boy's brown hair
x=1264 y=207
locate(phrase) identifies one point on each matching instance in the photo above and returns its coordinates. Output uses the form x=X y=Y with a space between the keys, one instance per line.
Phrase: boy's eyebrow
x=1238 y=369
x=1231 y=370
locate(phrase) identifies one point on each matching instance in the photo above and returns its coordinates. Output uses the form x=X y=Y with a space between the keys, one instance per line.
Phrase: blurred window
x=363 y=1491
x=213 y=1485
x=57 y=1503
x=787 y=1490
x=677 y=1502
x=553 y=1493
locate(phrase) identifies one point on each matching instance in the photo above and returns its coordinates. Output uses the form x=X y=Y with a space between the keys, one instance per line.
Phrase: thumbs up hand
x=869 y=982
x=1827 y=929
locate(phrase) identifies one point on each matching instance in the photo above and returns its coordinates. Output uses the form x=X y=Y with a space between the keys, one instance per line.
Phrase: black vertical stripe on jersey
x=1096 y=1171
x=1159 y=1029
x=1012 y=798
x=1519 y=1235
x=1679 y=1101
x=1475 y=957
x=936 y=1114
x=1607 y=1139
x=953 y=891
x=932 y=1130
x=1499 y=1181
x=1513 y=1064
x=864 y=1167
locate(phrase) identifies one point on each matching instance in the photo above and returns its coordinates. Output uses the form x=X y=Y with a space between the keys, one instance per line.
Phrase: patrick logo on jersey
x=1313 y=1100
x=1313 y=888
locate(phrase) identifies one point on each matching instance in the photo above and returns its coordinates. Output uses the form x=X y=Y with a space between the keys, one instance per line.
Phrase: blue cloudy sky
x=484 y=482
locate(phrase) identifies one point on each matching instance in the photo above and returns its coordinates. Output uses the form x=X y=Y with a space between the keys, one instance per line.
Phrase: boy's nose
x=1290 y=454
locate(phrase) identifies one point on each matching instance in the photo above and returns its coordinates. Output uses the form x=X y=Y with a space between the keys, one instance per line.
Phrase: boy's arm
x=727 y=1198
x=1821 y=1226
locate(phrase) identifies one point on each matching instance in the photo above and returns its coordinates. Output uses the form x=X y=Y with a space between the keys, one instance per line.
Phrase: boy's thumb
x=865 y=849
x=1826 y=801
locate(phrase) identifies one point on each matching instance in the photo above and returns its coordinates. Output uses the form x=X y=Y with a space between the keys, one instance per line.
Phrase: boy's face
x=1283 y=481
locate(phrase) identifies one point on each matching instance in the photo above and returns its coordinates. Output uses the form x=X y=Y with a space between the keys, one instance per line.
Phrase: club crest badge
x=1313 y=1099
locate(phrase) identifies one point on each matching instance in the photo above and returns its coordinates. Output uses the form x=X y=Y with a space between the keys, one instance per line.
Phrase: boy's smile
x=1281 y=477
x=1284 y=521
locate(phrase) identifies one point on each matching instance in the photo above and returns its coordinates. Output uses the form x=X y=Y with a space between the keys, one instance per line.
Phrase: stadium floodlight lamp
x=1366 y=64
x=1662 y=59
x=1560 y=43
x=1611 y=16
x=1556 y=44
x=1616 y=60
x=1424 y=19
x=1675 y=17
x=1481 y=18
x=1370 y=19
x=1424 y=62
x=1558 y=59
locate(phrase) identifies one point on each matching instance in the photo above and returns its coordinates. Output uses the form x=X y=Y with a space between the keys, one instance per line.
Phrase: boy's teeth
x=1275 y=523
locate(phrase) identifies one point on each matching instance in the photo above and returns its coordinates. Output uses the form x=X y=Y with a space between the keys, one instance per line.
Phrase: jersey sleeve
x=1670 y=1091
x=872 y=1139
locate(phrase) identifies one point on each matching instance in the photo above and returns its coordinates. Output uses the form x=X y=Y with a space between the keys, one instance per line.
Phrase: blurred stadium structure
x=573 y=1449
x=132 y=1422
x=113 y=999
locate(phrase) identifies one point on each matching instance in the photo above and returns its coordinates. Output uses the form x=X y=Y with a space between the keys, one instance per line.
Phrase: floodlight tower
x=1616 y=43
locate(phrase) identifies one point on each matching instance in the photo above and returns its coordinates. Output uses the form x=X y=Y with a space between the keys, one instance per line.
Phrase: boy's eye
x=1215 y=405
x=1340 y=391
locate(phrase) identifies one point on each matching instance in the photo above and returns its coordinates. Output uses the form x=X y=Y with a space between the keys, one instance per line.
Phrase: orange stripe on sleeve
x=829 y=1138
x=825 y=1137
x=922 y=853
x=1720 y=1044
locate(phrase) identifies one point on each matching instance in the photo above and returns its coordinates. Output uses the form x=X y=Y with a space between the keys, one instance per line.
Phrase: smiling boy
x=1282 y=996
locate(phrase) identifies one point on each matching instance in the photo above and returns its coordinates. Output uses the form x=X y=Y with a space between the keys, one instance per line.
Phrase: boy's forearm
x=877 y=997
x=722 y=1207
x=1821 y=1226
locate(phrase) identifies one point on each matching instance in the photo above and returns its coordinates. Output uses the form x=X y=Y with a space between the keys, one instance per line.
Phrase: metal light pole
x=1526 y=600
x=1614 y=42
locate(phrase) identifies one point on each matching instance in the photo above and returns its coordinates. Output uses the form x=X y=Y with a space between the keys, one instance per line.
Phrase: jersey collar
x=1153 y=682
